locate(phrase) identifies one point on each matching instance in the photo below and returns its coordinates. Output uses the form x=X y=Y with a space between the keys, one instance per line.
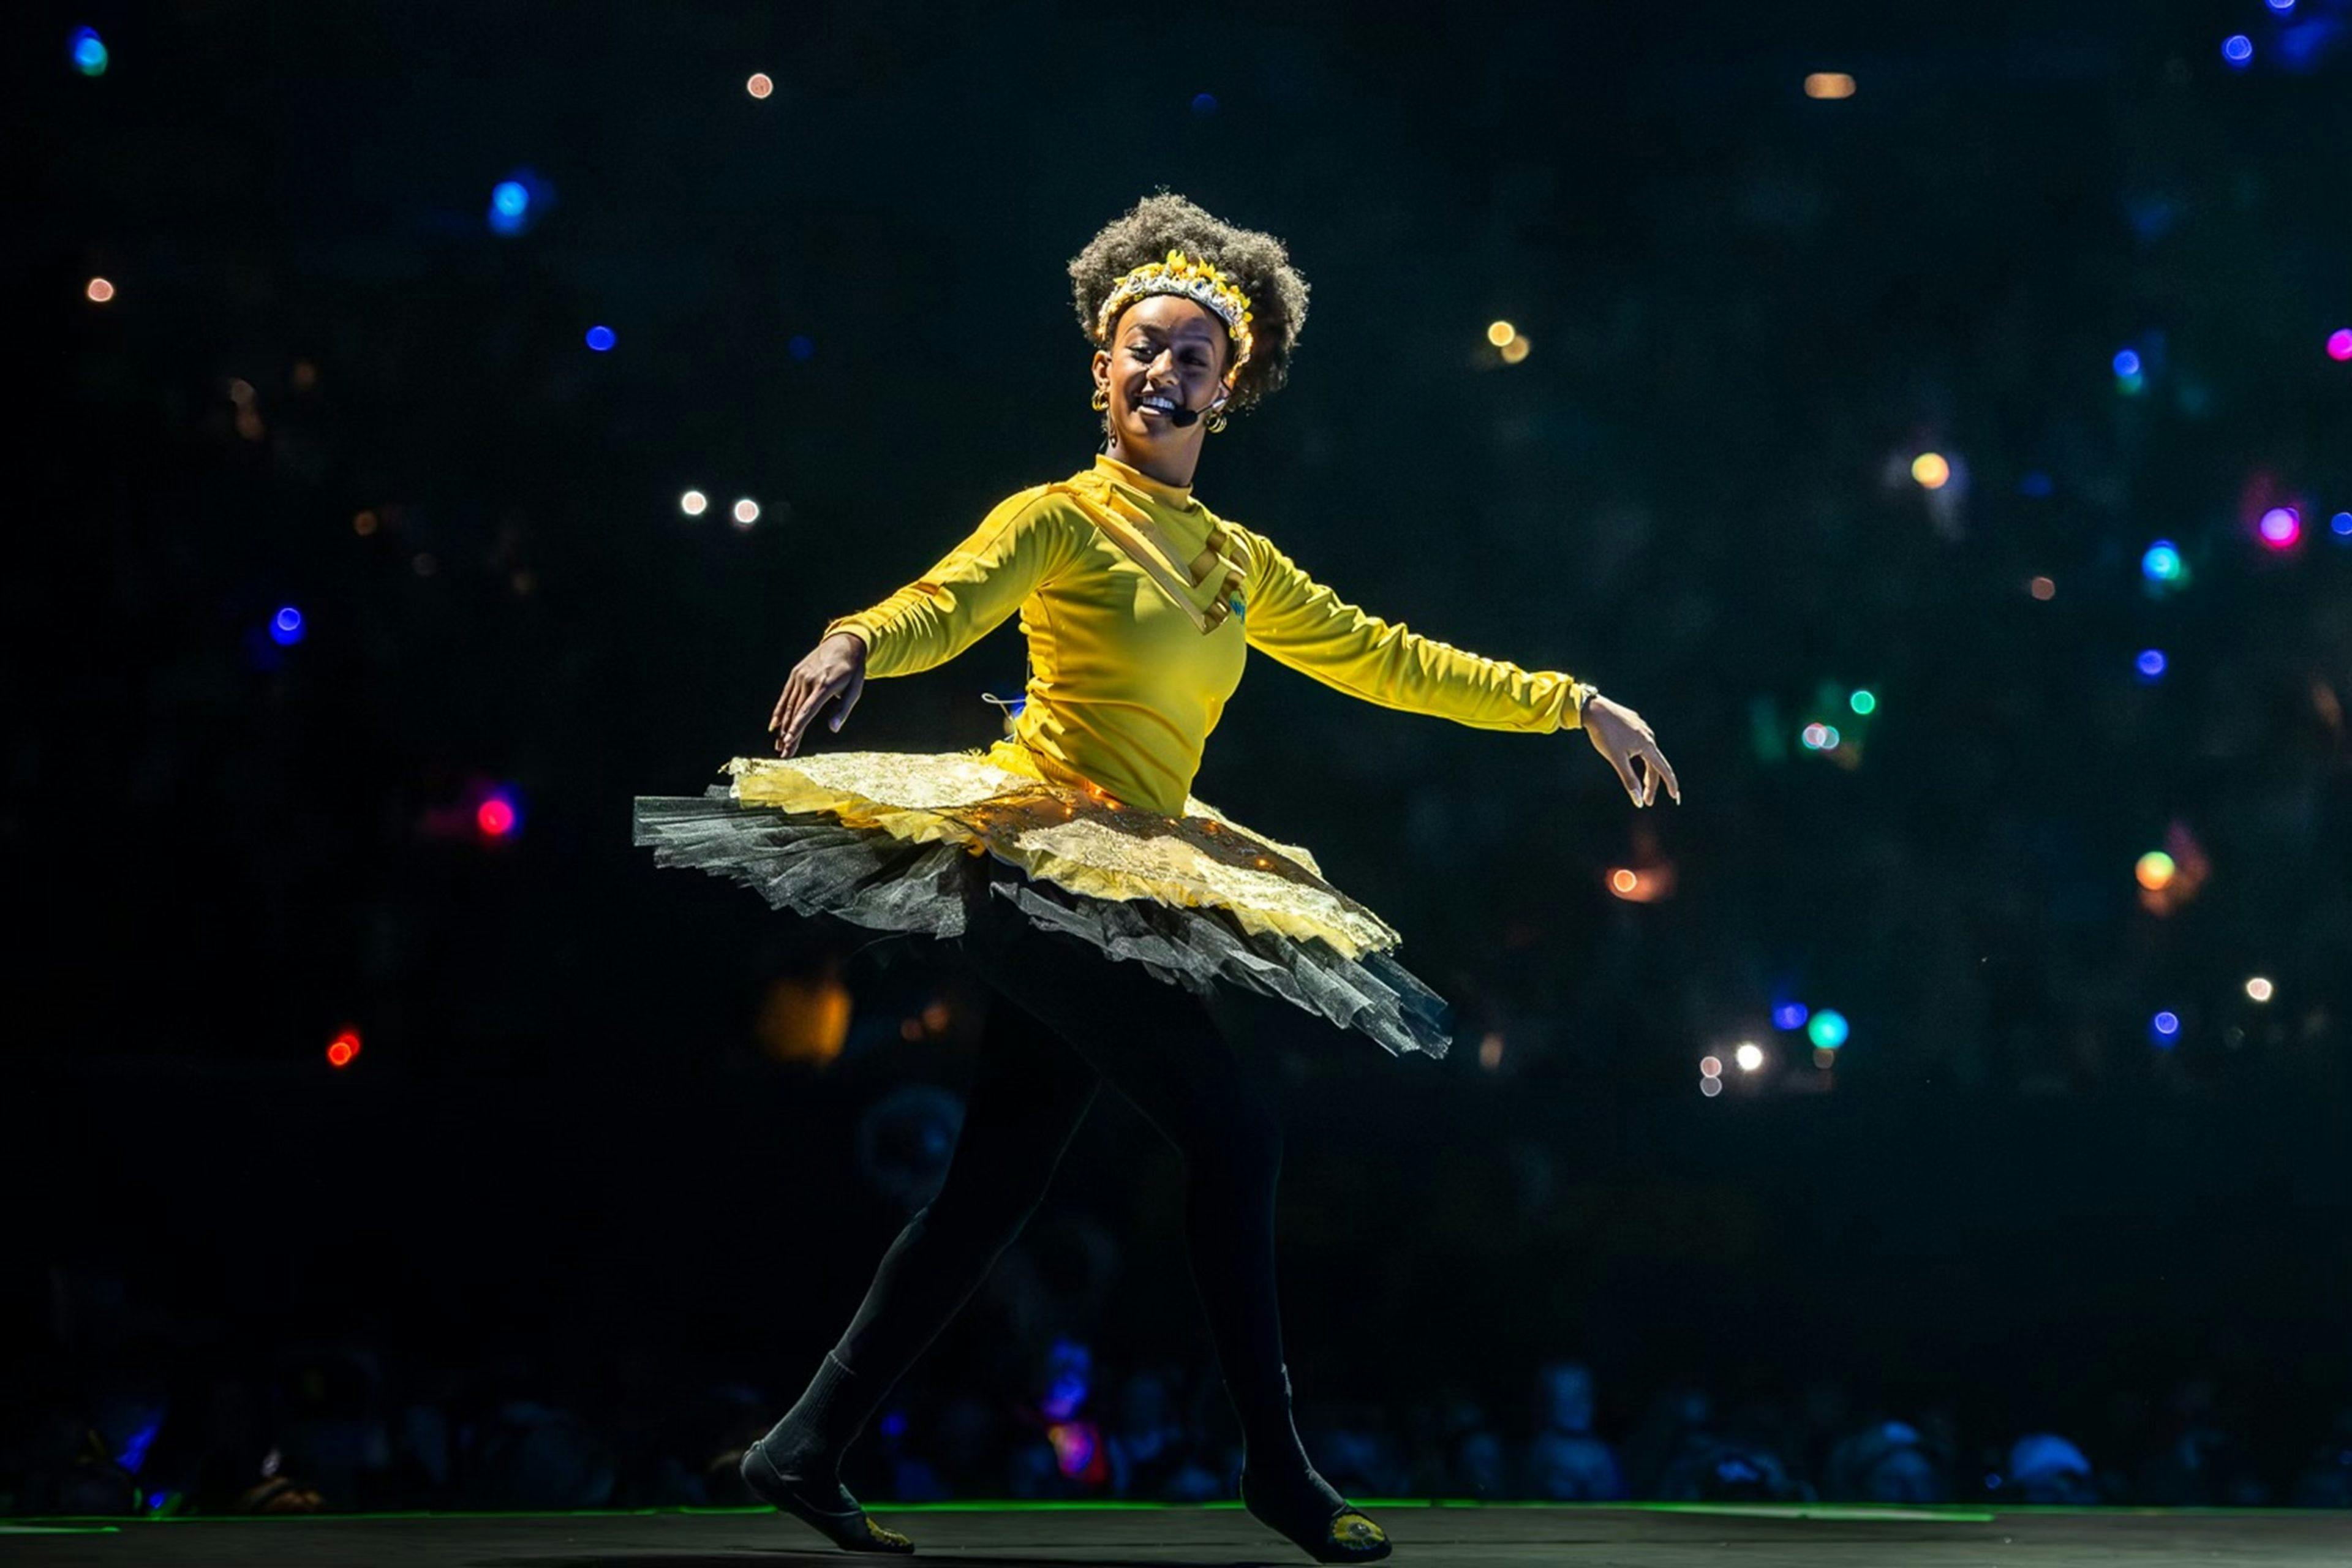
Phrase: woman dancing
x=1119 y=921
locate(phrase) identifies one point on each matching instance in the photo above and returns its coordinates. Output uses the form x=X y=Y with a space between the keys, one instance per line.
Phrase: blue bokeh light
x=2281 y=6
x=2161 y=564
x=88 y=52
x=1789 y=1015
x=801 y=346
x=2237 y=48
x=1829 y=1029
x=2164 y=1028
x=601 y=338
x=2150 y=664
x=286 y=628
x=1205 y=104
x=518 y=201
x=2036 y=484
x=2340 y=525
x=2128 y=363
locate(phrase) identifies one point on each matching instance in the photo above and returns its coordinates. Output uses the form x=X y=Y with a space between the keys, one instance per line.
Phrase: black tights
x=1064 y=1020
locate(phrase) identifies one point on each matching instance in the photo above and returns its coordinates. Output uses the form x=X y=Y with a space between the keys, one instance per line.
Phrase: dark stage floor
x=1503 y=1536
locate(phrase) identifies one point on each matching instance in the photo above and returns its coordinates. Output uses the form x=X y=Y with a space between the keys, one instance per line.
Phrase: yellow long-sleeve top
x=1124 y=687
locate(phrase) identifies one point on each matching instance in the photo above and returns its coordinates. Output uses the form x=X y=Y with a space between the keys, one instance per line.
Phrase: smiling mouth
x=1152 y=403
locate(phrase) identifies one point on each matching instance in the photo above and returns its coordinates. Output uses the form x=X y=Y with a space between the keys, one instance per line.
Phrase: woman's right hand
x=835 y=668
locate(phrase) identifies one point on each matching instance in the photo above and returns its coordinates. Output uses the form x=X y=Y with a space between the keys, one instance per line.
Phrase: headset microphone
x=1184 y=418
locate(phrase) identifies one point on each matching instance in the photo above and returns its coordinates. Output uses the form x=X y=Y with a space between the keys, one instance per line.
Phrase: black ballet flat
x=847 y=1528
x=1345 y=1536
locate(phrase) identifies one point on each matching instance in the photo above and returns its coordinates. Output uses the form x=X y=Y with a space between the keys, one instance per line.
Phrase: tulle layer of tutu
x=926 y=843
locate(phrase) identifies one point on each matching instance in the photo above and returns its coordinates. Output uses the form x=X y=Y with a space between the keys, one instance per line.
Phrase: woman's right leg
x=1029 y=1094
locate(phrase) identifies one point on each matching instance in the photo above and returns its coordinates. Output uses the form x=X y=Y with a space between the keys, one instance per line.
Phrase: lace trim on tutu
x=1075 y=838
x=815 y=863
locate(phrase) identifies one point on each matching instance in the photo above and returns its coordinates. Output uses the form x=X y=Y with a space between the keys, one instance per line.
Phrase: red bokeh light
x=343 y=1048
x=495 y=817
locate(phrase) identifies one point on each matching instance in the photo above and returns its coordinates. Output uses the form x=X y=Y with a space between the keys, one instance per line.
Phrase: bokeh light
x=1931 y=469
x=2259 y=988
x=2151 y=663
x=746 y=512
x=1828 y=1029
x=801 y=346
x=2043 y=588
x=1819 y=737
x=1205 y=104
x=1500 y=332
x=2281 y=527
x=601 y=338
x=1748 y=1055
x=2155 y=870
x=285 y=627
x=694 y=503
x=97 y=291
x=1518 y=349
x=1791 y=1015
x=2166 y=1025
x=1625 y=883
x=1711 y=1065
x=88 y=52
x=1863 y=700
x=343 y=1049
x=758 y=85
x=2127 y=362
x=1710 y=1087
x=2161 y=564
x=2237 y=48
x=497 y=816
x=1829 y=85
x=2339 y=344
x=2340 y=525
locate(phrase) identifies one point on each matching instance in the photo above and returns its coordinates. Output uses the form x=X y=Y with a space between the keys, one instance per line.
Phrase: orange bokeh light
x=99 y=290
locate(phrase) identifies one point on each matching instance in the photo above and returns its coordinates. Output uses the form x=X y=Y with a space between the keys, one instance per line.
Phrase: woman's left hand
x=1621 y=735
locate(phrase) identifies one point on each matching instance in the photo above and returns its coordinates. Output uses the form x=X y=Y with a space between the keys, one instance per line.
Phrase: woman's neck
x=1174 y=468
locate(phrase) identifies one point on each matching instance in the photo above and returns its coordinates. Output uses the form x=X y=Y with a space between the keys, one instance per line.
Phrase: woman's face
x=1166 y=351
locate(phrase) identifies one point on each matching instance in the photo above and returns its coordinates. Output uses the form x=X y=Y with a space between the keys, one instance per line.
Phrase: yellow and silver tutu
x=913 y=841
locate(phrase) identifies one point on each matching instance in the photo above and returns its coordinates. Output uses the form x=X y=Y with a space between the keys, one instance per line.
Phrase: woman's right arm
x=1018 y=546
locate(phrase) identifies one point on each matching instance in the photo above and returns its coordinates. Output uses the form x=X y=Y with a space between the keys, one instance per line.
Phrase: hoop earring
x=1101 y=400
x=1217 y=422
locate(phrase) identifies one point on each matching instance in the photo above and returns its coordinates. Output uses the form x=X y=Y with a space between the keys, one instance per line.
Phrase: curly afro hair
x=1159 y=224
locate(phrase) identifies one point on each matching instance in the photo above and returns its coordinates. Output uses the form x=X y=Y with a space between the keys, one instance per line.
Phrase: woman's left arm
x=1303 y=623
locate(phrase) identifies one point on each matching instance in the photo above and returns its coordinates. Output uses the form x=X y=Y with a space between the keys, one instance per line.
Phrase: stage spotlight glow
x=758 y=85
x=1501 y=332
x=511 y=201
x=2339 y=344
x=747 y=512
x=88 y=52
x=1748 y=1055
x=601 y=338
x=340 y=1051
x=97 y=291
x=2150 y=663
x=2043 y=588
x=1625 y=883
x=1789 y=1015
x=1931 y=469
x=2237 y=48
x=2340 y=525
x=2259 y=989
x=694 y=503
x=511 y=198
x=2161 y=564
x=1710 y=1087
x=2281 y=527
x=1515 y=350
x=1863 y=700
x=1829 y=1029
x=2127 y=362
x=1829 y=85
x=1710 y=1067
x=1819 y=737
x=285 y=627
x=2155 y=870
x=2166 y=1023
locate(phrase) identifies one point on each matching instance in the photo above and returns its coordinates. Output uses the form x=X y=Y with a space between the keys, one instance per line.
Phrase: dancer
x=1124 y=926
